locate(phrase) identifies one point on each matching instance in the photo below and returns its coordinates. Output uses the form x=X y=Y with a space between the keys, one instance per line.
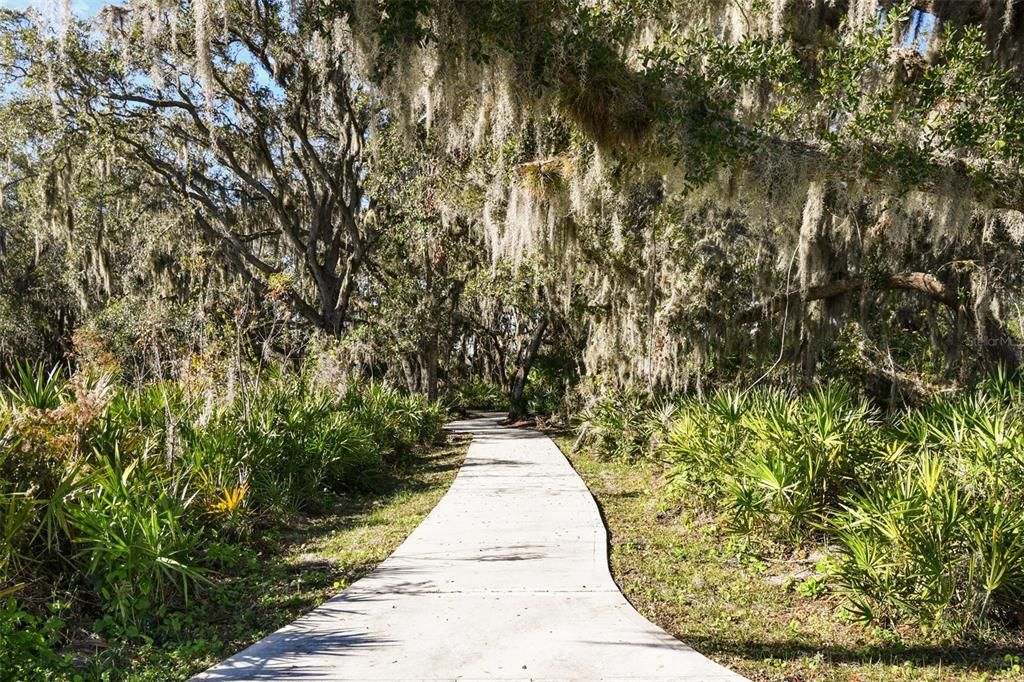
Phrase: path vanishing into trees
x=507 y=578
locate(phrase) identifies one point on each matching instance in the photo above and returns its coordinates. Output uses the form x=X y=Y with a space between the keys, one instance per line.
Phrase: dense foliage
x=670 y=195
x=550 y=207
x=122 y=497
x=731 y=188
x=920 y=510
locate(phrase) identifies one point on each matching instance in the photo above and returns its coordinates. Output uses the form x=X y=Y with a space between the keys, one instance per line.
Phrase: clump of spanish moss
x=613 y=105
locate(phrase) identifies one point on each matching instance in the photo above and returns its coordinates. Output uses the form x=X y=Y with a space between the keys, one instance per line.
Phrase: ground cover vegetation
x=912 y=516
x=123 y=506
x=771 y=614
x=772 y=250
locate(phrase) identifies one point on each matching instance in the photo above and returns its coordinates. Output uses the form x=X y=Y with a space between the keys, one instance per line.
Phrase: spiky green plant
x=478 y=394
x=36 y=387
x=617 y=426
x=922 y=505
x=126 y=486
x=133 y=536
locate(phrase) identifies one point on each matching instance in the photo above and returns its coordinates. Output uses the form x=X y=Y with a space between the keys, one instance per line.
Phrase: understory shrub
x=937 y=536
x=922 y=508
x=623 y=426
x=134 y=535
x=118 y=492
x=549 y=384
x=478 y=394
x=28 y=644
x=396 y=421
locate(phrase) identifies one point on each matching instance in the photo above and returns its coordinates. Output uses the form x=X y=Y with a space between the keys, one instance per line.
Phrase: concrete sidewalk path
x=506 y=579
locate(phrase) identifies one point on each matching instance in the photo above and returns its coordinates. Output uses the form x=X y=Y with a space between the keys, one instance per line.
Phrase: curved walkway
x=507 y=578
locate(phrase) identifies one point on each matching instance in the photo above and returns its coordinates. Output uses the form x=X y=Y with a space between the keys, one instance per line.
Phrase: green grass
x=769 y=617
x=290 y=570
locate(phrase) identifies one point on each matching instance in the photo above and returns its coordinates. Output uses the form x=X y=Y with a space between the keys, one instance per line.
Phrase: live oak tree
x=850 y=162
x=688 y=193
x=408 y=320
x=251 y=117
